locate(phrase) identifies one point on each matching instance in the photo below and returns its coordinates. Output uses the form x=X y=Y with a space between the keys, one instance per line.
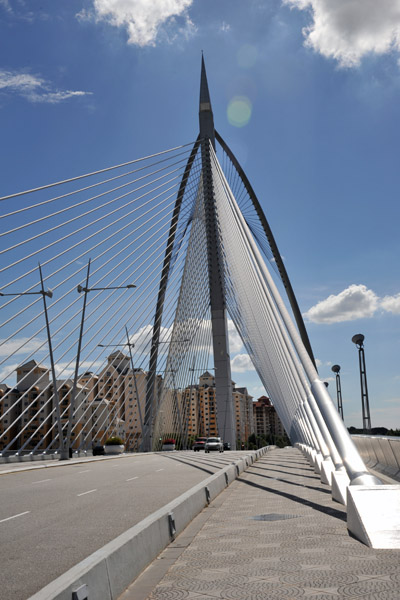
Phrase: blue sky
x=305 y=92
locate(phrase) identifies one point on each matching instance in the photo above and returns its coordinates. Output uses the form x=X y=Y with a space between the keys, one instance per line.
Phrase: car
x=98 y=451
x=199 y=444
x=227 y=446
x=214 y=444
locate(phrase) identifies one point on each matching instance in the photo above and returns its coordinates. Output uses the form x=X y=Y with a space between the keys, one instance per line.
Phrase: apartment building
x=266 y=419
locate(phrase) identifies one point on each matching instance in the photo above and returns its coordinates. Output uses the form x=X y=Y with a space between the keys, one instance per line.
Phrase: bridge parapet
x=380 y=452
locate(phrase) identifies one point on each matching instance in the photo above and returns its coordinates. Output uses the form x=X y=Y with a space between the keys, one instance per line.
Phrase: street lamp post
x=336 y=369
x=358 y=340
x=65 y=453
x=49 y=294
x=130 y=346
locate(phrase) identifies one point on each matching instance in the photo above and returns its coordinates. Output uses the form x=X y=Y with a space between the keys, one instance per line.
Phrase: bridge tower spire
x=219 y=323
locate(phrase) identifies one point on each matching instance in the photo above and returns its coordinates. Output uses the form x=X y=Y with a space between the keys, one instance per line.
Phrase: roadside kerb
x=106 y=573
x=65 y=463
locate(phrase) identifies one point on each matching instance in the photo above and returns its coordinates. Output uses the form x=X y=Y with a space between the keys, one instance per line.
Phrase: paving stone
x=276 y=534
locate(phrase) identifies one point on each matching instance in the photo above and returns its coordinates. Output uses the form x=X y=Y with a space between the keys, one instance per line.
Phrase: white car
x=214 y=444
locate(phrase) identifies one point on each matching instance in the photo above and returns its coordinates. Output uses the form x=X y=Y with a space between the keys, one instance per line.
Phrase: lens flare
x=239 y=111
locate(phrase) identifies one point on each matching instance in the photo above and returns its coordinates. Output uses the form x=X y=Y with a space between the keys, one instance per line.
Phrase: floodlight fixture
x=358 y=339
x=336 y=369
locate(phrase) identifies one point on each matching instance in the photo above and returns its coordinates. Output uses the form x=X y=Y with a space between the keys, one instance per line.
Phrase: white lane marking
x=159 y=470
x=132 y=478
x=87 y=471
x=15 y=516
x=88 y=492
x=41 y=481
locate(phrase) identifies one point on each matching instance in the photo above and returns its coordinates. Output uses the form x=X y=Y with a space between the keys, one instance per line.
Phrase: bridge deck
x=300 y=549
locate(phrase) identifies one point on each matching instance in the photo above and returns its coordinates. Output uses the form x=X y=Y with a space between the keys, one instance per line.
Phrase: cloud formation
x=143 y=20
x=348 y=30
x=34 y=88
x=391 y=304
x=235 y=341
x=21 y=345
x=355 y=302
x=241 y=363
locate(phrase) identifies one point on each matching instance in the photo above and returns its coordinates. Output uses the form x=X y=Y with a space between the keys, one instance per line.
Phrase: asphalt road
x=52 y=518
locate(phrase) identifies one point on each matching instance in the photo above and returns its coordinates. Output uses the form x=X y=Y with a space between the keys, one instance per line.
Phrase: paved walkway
x=274 y=534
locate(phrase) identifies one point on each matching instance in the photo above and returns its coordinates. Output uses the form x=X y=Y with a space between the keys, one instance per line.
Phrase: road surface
x=52 y=518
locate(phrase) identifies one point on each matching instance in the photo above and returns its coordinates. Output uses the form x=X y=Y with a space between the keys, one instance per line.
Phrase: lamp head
x=358 y=339
x=335 y=368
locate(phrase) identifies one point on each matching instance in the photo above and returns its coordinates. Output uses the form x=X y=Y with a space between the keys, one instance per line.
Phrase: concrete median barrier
x=106 y=573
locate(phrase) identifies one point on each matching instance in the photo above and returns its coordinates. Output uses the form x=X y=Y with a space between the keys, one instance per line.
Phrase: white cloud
x=241 y=363
x=256 y=391
x=56 y=97
x=21 y=82
x=235 y=341
x=391 y=304
x=348 y=30
x=320 y=363
x=6 y=5
x=67 y=369
x=355 y=302
x=144 y=19
x=34 y=88
x=22 y=345
x=225 y=27
x=8 y=375
x=142 y=340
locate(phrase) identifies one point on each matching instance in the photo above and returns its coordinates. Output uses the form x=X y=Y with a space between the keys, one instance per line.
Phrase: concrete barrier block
x=340 y=482
x=318 y=462
x=327 y=468
x=373 y=515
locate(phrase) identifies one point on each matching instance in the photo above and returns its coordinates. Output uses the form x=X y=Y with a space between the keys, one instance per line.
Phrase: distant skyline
x=305 y=92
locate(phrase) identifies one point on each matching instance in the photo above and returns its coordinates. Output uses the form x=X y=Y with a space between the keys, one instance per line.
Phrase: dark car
x=199 y=444
x=227 y=446
x=98 y=450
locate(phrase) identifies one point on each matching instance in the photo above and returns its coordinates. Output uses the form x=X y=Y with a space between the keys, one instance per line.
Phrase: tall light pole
x=46 y=293
x=336 y=369
x=358 y=340
x=130 y=346
x=65 y=452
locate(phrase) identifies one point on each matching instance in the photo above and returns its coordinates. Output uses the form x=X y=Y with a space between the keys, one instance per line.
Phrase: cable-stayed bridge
x=116 y=290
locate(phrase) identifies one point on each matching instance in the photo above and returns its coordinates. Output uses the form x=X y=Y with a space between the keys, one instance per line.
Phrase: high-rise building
x=266 y=419
x=202 y=413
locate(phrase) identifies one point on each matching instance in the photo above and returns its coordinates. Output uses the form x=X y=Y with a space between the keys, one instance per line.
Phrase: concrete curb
x=66 y=463
x=106 y=573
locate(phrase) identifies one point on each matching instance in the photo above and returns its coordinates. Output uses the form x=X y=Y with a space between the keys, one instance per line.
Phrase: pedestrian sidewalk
x=274 y=534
